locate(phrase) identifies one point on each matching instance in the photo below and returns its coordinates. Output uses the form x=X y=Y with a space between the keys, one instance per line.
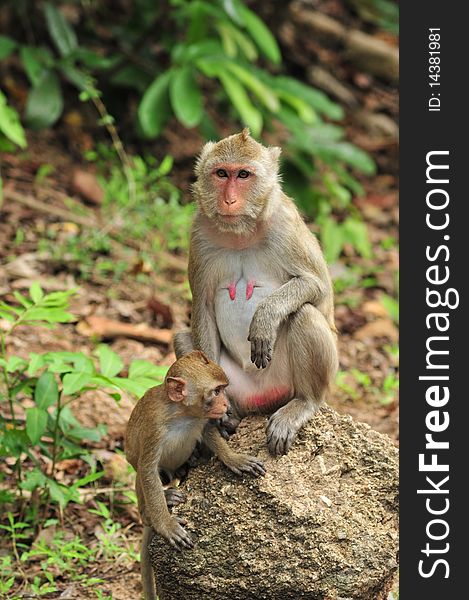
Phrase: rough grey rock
x=321 y=525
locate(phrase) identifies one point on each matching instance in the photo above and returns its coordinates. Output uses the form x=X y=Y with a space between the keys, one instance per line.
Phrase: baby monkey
x=163 y=430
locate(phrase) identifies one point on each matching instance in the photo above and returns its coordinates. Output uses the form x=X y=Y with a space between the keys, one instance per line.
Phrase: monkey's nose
x=228 y=200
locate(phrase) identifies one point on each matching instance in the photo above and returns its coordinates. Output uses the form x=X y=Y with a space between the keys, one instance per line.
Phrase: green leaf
x=392 y=307
x=36 y=423
x=332 y=239
x=6 y=315
x=81 y=80
x=93 y=60
x=154 y=108
x=47 y=392
x=36 y=293
x=134 y=386
x=304 y=111
x=74 y=382
x=227 y=39
x=144 y=368
x=244 y=44
x=22 y=299
x=49 y=315
x=45 y=102
x=80 y=433
x=7 y=45
x=250 y=116
x=36 y=61
x=36 y=361
x=109 y=362
x=88 y=479
x=356 y=233
x=233 y=10
x=15 y=363
x=185 y=95
x=58 y=299
x=60 y=493
x=10 y=124
x=264 y=94
x=261 y=35
x=82 y=363
x=347 y=153
x=60 y=31
x=318 y=100
x=33 y=479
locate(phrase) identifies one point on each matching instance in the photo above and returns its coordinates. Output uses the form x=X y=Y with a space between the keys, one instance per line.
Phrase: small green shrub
x=50 y=382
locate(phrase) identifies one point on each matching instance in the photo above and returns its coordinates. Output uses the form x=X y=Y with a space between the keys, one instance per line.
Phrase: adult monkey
x=262 y=295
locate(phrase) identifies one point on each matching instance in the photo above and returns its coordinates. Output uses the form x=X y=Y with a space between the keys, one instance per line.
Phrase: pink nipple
x=249 y=289
x=232 y=290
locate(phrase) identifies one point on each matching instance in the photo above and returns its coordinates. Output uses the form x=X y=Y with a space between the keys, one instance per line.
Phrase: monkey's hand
x=176 y=535
x=174 y=497
x=243 y=463
x=262 y=335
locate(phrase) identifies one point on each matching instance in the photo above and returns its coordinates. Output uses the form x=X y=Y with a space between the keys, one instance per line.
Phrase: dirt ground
x=37 y=208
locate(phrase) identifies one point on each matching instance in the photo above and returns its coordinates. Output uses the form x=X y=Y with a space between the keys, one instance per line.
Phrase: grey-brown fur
x=292 y=326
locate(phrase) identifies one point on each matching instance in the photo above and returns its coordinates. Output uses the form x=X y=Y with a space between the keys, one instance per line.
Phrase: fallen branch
x=107 y=328
x=50 y=209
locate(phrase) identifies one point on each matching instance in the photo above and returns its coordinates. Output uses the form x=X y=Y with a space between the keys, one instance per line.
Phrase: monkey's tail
x=148 y=579
x=183 y=343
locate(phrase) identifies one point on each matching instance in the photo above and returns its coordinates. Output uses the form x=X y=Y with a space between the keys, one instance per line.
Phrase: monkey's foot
x=243 y=463
x=176 y=535
x=280 y=434
x=174 y=497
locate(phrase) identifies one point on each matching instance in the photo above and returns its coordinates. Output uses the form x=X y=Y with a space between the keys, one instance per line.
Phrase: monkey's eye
x=243 y=174
x=216 y=391
x=222 y=173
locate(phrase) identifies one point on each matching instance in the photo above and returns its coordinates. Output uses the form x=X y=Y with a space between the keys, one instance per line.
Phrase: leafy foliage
x=51 y=381
x=210 y=55
x=10 y=126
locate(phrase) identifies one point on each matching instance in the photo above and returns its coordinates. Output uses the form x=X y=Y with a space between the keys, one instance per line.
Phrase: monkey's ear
x=275 y=152
x=176 y=388
x=202 y=156
x=203 y=357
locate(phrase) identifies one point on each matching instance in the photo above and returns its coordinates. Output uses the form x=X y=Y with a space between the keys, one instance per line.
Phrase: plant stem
x=56 y=429
x=121 y=153
x=3 y=352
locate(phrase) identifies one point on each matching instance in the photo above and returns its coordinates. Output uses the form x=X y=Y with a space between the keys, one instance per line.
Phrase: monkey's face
x=198 y=385
x=235 y=187
x=235 y=178
x=215 y=402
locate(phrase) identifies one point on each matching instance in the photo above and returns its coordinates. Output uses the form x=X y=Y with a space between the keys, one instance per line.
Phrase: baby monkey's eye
x=217 y=391
x=243 y=174
x=222 y=173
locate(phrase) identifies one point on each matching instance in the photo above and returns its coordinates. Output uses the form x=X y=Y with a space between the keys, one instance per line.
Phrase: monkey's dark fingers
x=247 y=464
x=174 y=497
x=280 y=435
x=254 y=466
x=261 y=353
x=179 y=538
x=280 y=443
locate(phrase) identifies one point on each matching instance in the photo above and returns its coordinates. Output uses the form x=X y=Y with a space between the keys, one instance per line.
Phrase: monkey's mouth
x=229 y=218
x=218 y=415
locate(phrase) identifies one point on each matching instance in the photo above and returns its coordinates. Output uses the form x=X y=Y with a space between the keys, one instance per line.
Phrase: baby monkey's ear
x=176 y=388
